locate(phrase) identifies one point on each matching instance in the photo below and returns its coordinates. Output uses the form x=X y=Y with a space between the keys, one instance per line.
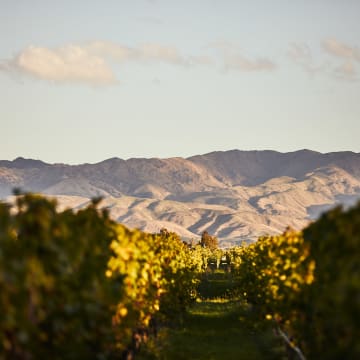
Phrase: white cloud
x=70 y=63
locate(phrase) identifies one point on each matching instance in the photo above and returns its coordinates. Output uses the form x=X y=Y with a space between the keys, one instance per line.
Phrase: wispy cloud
x=87 y=63
x=347 y=70
x=349 y=55
x=113 y=51
x=70 y=63
x=233 y=58
x=201 y=60
x=337 y=48
x=158 y=52
x=301 y=54
x=239 y=62
x=340 y=64
x=147 y=52
x=144 y=52
x=93 y=63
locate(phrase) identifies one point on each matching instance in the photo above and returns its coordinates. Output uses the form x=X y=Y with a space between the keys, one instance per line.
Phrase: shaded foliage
x=308 y=283
x=329 y=324
x=56 y=299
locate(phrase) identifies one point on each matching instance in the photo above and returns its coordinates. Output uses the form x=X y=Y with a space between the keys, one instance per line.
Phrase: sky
x=84 y=81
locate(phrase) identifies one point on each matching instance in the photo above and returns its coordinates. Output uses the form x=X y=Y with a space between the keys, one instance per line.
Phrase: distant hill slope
x=255 y=167
x=232 y=194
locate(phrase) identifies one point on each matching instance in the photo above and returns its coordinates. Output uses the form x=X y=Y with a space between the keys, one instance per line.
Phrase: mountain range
x=235 y=195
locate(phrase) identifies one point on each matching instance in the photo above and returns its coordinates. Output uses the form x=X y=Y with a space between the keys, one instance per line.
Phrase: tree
x=209 y=241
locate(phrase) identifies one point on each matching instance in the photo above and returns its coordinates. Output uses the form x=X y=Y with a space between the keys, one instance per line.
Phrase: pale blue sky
x=87 y=80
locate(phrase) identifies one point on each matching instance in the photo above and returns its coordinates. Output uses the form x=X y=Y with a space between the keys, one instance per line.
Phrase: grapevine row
x=308 y=284
x=79 y=285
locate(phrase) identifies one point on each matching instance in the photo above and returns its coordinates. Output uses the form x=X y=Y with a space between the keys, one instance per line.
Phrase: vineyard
x=77 y=285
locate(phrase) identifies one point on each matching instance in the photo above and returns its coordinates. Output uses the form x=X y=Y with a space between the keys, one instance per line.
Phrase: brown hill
x=234 y=194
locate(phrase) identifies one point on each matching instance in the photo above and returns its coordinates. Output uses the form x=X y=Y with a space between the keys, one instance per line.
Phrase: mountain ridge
x=234 y=194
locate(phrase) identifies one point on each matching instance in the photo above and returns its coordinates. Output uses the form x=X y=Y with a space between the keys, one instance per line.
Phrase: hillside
x=236 y=195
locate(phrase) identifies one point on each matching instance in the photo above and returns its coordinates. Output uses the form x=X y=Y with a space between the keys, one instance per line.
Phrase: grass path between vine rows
x=217 y=327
